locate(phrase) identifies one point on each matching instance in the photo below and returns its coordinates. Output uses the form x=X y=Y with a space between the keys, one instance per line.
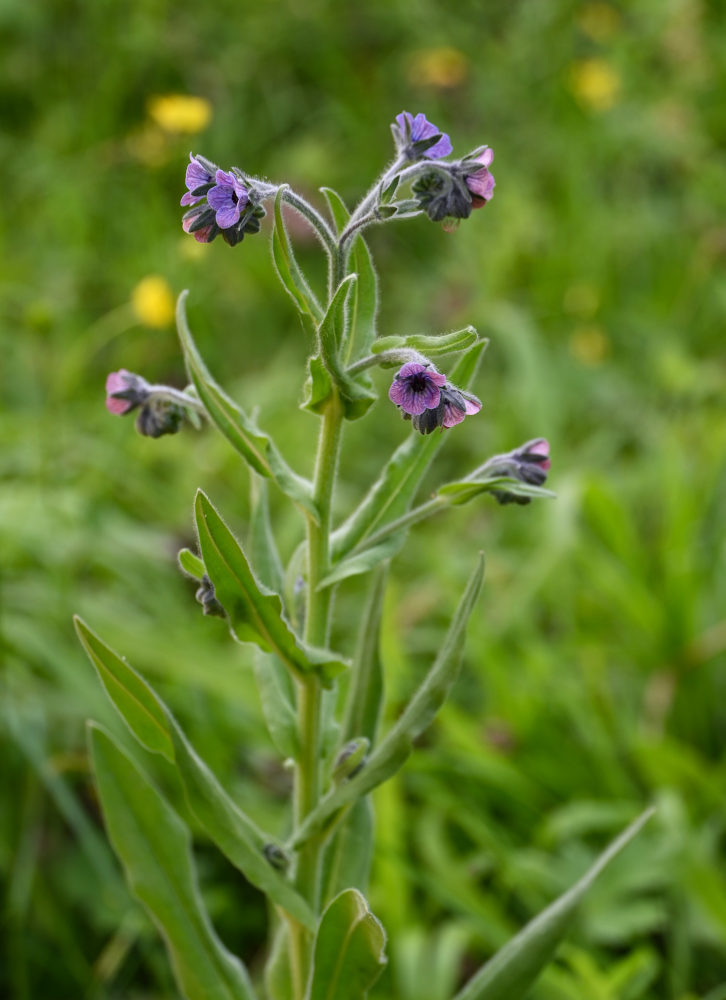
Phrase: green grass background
x=593 y=680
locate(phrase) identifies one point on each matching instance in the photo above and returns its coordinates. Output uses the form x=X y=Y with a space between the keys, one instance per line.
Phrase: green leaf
x=365 y=694
x=363 y=562
x=364 y=297
x=349 y=852
x=318 y=388
x=153 y=724
x=464 y=490
x=355 y=393
x=288 y=269
x=396 y=746
x=255 y=612
x=235 y=835
x=263 y=548
x=445 y=343
x=191 y=564
x=154 y=847
x=276 y=699
x=511 y=972
x=392 y=494
x=349 y=950
x=257 y=448
x=137 y=703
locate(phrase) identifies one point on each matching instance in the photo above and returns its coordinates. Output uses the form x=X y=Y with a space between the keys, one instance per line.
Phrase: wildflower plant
x=322 y=706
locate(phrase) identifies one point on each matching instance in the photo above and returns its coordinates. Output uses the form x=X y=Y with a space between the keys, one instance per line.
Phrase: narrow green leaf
x=364 y=297
x=511 y=972
x=393 y=492
x=263 y=548
x=191 y=564
x=349 y=852
x=227 y=826
x=154 y=847
x=363 y=562
x=365 y=694
x=288 y=269
x=349 y=950
x=276 y=699
x=234 y=834
x=257 y=448
x=136 y=702
x=445 y=343
x=255 y=612
x=396 y=746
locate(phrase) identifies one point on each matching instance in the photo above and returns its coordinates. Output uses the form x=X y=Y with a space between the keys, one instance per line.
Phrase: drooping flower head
x=228 y=197
x=529 y=463
x=480 y=181
x=417 y=387
x=428 y=400
x=158 y=415
x=416 y=137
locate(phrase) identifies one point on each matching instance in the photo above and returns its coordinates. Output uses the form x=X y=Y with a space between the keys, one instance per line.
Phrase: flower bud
x=207 y=597
x=442 y=193
x=529 y=463
x=125 y=391
x=276 y=856
x=159 y=416
x=350 y=759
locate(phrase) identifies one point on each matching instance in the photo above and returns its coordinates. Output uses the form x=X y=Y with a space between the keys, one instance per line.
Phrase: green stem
x=317 y=222
x=308 y=779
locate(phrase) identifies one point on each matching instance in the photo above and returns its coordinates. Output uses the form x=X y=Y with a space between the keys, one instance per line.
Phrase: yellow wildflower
x=180 y=112
x=153 y=302
x=595 y=83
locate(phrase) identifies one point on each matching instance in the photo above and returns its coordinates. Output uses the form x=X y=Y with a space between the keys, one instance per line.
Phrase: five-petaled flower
x=417 y=387
x=228 y=197
x=413 y=134
x=428 y=400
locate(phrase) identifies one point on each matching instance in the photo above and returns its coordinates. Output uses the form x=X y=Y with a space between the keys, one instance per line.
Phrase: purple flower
x=529 y=463
x=228 y=197
x=198 y=180
x=480 y=182
x=125 y=391
x=413 y=130
x=453 y=407
x=417 y=387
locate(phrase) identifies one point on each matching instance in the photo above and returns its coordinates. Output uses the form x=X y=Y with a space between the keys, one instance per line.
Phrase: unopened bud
x=350 y=759
x=207 y=598
x=276 y=856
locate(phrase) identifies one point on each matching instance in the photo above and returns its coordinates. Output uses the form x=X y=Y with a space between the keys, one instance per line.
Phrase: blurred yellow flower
x=191 y=250
x=180 y=112
x=153 y=302
x=438 y=67
x=599 y=21
x=595 y=83
x=590 y=345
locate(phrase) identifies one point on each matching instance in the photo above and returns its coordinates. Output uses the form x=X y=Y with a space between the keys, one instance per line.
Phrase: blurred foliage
x=594 y=676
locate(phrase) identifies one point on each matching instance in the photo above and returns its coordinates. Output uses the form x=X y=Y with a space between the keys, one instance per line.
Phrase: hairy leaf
x=349 y=950
x=154 y=847
x=288 y=269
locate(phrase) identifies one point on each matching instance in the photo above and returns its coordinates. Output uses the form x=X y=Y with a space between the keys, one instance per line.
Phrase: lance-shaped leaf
x=153 y=724
x=237 y=838
x=349 y=952
x=364 y=297
x=136 y=702
x=255 y=613
x=396 y=746
x=153 y=845
x=256 y=447
x=363 y=561
x=393 y=492
x=445 y=343
x=288 y=269
x=356 y=394
x=511 y=972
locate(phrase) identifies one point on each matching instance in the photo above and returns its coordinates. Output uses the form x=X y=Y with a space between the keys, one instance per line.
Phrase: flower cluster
x=529 y=463
x=223 y=202
x=426 y=398
x=158 y=414
x=452 y=190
